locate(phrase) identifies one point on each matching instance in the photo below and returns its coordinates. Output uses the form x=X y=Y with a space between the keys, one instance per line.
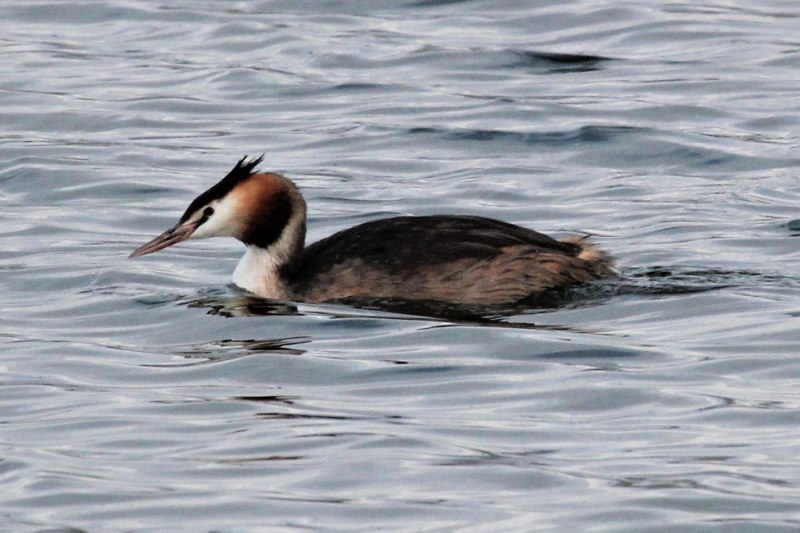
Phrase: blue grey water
x=151 y=395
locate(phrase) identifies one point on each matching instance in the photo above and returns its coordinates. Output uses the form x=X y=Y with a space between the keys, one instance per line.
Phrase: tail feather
x=600 y=262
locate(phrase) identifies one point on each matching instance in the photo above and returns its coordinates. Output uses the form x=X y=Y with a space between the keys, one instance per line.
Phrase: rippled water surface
x=150 y=395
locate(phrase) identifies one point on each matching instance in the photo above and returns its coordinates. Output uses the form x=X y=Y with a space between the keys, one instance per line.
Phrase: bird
x=456 y=259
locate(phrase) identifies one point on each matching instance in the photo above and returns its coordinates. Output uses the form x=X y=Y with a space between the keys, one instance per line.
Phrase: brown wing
x=447 y=258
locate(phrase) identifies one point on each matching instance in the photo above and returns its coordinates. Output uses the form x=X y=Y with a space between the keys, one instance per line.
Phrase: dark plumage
x=455 y=258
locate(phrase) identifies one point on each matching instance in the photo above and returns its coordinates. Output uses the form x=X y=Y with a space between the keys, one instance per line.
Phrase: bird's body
x=447 y=258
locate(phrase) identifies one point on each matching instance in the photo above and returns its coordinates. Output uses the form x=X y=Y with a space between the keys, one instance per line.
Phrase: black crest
x=243 y=170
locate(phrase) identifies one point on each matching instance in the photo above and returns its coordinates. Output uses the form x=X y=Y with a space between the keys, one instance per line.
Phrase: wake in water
x=642 y=282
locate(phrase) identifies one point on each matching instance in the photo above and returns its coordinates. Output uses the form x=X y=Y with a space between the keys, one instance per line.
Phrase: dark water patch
x=664 y=281
x=658 y=152
x=470 y=62
x=67 y=14
x=272 y=399
x=598 y=354
x=554 y=62
x=588 y=134
x=366 y=87
x=439 y=3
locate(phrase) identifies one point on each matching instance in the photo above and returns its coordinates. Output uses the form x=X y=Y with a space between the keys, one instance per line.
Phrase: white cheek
x=223 y=223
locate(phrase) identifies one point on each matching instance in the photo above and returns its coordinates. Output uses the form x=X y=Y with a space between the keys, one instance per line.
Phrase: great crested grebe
x=445 y=258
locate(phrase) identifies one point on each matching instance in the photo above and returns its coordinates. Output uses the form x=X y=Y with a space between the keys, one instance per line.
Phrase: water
x=149 y=395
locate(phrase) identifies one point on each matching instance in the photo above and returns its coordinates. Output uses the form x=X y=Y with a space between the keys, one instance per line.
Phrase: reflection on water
x=642 y=282
x=240 y=305
x=228 y=349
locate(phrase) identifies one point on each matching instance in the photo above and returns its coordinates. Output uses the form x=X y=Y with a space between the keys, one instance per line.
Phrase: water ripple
x=148 y=394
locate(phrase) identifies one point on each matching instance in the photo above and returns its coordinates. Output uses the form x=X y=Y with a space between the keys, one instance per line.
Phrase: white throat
x=259 y=272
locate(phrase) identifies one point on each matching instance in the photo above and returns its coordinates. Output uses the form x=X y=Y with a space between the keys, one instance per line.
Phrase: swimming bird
x=446 y=258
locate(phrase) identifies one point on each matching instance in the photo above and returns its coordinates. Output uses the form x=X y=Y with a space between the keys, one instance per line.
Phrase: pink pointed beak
x=174 y=235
